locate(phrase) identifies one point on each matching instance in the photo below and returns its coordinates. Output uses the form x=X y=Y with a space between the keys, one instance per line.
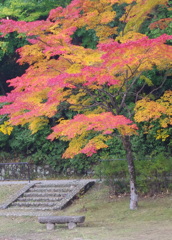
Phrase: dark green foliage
x=115 y=173
x=80 y=165
x=35 y=148
x=115 y=149
x=153 y=174
x=9 y=68
x=86 y=38
x=11 y=42
x=3 y=140
x=148 y=146
x=32 y=10
x=157 y=83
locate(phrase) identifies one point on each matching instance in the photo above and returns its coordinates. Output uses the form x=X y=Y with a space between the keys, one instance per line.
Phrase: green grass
x=7 y=190
x=107 y=218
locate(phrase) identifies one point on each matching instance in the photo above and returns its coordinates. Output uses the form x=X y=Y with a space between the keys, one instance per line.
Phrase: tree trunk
x=133 y=192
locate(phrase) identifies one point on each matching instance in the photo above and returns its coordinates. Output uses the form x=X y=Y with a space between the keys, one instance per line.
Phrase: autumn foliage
x=94 y=82
x=160 y=110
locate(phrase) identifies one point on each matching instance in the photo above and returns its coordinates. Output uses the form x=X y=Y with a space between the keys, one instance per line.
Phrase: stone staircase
x=44 y=197
x=41 y=196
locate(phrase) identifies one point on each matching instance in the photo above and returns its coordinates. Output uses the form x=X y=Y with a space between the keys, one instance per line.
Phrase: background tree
x=29 y=10
x=97 y=83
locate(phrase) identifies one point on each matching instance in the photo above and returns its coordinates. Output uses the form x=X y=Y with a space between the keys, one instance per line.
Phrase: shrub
x=153 y=174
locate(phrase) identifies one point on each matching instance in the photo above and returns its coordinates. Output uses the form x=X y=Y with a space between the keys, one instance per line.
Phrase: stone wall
x=23 y=171
x=42 y=172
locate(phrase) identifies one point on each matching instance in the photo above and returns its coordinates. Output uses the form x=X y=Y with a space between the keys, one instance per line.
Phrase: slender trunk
x=133 y=191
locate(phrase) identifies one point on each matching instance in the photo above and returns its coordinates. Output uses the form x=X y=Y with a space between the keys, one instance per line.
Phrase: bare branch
x=164 y=80
x=103 y=103
x=87 y=106
x=137 y=94
x=127 y=92
x=127 y=79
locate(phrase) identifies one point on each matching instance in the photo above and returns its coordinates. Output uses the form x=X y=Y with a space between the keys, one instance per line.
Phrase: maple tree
x=96 y=83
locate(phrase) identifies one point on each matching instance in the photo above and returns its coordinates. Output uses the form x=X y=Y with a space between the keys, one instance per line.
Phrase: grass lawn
x=107 y=218
x=7 y=190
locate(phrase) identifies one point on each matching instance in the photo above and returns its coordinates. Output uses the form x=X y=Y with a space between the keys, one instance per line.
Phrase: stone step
x=55 y=185
x=43 y=199
x=51 y=189
x=30 y=209
x=42 y=194
x=34 y=204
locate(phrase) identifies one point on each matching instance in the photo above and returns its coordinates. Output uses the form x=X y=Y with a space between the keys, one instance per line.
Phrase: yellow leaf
x=37 y=123
x=75 y=68
x=6 y=128
x=147 y=80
